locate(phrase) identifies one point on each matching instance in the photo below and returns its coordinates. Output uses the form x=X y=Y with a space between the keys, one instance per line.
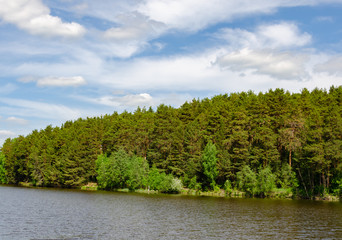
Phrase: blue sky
x=66 y=59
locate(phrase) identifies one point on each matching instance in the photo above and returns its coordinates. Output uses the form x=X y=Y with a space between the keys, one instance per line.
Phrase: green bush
x=265 y=181
x=193 y=184
x=247 y=180
x=162 y=182
x=121 y=171
x=228 y=187
x=176 y=185
x=287 y=178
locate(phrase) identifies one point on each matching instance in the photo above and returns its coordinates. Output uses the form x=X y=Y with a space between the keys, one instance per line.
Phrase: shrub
x=163 y=183
x=247 y=180
x=176 y=185
x=121 y=171
x=228 y=187
x=265 y=181
x=193 y=184
x=287 y=178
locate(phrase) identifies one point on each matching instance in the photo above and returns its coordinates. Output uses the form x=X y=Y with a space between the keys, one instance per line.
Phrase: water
x=68 y=214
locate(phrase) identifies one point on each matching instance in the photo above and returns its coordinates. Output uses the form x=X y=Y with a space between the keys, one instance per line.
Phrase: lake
x=31 y=213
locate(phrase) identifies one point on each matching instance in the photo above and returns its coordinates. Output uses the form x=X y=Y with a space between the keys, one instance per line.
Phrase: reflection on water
x=67 y=214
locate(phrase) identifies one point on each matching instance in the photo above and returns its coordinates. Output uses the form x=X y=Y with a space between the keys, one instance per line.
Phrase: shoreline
x=92 y=187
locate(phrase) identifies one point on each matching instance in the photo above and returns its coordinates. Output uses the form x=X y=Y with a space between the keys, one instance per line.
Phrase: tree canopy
x=296 y=137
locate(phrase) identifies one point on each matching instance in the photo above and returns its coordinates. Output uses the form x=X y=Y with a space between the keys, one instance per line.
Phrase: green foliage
x=3 y=178
x=247 y=180
x=121 y=171
x=176 y=185
x=261 y=183
x=228 y=187
x=209 y=165
x=287 y=178
x=193 y=184
x=162 y=182
x=265 y=181
x=338 y=182
x=297 y=135
x=338 y=190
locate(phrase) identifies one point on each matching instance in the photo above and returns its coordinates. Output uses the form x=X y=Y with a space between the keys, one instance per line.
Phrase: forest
x=246 y=141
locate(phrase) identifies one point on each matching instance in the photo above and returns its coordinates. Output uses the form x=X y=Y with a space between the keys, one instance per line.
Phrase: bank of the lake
x=276 y=194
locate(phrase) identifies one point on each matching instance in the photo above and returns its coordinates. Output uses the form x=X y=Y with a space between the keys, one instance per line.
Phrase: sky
x=61 y=60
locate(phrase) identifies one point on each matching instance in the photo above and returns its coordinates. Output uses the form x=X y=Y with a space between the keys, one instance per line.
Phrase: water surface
x=28 y=213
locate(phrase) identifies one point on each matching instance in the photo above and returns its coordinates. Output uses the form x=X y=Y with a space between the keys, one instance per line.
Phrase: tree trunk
x=290 y=155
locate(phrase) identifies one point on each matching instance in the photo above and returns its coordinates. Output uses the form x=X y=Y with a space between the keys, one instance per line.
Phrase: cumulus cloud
x=6 y=133
x=34 y=17
x=133 y=27
x=61 y=81
x=277 y=65
x=56 y=81
x=165 y=74
x=131 y=35
x=332 y=67
x=130 y=100
x=16 y=120
x=280 y=35
x=269 y=50
x=191 y=15
x=194 y=15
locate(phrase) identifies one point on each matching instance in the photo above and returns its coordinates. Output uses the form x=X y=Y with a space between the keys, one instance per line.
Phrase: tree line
x=240 y=140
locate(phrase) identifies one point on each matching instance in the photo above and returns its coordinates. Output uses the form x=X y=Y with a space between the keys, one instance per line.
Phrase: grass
x=277 y=193
x=90 y=187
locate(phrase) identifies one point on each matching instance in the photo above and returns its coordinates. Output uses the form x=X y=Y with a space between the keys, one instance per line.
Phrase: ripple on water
x=66 y=214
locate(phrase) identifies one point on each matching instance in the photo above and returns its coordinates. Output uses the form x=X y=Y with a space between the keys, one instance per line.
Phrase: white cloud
x=131 y=35
x=154 y=17
x=16 y=120
x=61 y=81
x=130 y=100
x=269 y=50
x=165 y=74
x=26 y=108
x=332 y=67
x=55 y=81
x=143 y=99
x=86 y=61
x=280 y=35
x=34 y=17
x=134 y=27
x=6 y=133
x=194 y=15
x=277 y=65
x=217 y=71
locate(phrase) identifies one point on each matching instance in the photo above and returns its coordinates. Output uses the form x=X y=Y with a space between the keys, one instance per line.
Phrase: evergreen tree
x=3 y=178
x=298 y=136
